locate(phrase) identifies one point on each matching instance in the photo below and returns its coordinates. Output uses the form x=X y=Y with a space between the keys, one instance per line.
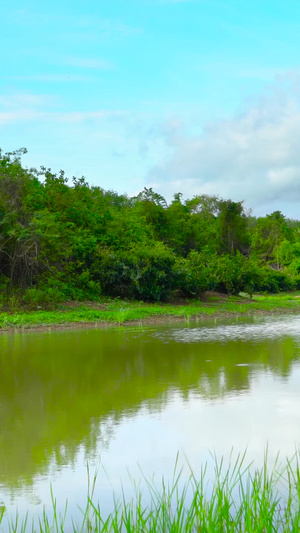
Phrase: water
x=127 y=399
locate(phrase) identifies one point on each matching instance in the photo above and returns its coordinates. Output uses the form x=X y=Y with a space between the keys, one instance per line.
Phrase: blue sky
x=191 y=96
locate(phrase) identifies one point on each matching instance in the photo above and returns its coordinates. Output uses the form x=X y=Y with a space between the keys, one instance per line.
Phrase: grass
x=119 y=312
x=240 y=499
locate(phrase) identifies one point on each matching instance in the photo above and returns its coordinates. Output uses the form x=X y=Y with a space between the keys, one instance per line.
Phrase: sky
x=190 y=96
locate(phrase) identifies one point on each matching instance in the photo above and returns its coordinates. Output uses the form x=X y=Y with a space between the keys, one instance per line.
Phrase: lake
x=126 y=401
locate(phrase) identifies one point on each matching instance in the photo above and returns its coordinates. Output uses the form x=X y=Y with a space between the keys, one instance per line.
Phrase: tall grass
x=240 y=499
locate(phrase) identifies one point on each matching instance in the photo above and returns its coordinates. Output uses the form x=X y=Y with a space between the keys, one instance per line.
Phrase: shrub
x=44 y=297
x=235 y=273
x=273 y=281
x=144 y=273
x=194 y=274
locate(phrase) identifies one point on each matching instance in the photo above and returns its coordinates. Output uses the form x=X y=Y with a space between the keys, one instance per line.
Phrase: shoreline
x=116 y=313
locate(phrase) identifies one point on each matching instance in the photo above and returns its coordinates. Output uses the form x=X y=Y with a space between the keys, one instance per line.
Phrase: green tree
x=233 y=230
x=267 y=236
x=152 y=207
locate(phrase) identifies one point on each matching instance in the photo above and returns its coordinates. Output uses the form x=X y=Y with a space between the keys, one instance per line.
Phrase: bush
x=194 y=274
x=235 y=273
x=154 y=279
x=273 y=281
x=297 y=282
x=144 y=273
x=45 y=297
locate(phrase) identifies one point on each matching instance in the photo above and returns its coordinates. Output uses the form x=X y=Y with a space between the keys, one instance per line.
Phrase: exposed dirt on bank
x=155 y=320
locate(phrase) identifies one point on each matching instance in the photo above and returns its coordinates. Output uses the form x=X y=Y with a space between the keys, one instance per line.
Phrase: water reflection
x=85 y=392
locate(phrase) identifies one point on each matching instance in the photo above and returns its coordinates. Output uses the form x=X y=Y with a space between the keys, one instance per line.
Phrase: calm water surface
x=125 y=399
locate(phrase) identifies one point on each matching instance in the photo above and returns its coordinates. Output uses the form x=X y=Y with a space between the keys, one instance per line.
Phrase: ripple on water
x=267 y=328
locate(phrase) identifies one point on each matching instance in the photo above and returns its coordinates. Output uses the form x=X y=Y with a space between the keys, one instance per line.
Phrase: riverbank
x=118 y=312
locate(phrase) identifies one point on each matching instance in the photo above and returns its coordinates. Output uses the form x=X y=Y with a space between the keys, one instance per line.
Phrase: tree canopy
x=63 y=239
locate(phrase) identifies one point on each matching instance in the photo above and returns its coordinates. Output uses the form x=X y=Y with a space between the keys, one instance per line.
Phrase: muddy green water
x=121 y=399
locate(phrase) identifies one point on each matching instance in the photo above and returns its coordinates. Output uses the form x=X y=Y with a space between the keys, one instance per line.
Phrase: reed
x=238 y=500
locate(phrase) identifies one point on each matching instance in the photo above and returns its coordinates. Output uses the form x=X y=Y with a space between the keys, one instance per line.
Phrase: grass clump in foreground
x=239 y=500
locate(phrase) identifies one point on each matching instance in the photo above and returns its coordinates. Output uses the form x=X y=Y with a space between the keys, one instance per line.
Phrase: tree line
x=62 y=241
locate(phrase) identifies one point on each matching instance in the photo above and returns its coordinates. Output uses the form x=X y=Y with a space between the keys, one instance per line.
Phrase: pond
x=126 y=401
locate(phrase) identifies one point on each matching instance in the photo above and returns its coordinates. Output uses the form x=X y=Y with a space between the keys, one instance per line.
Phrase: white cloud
x=20 y=108
x=25 y=99
x=253 y=156
x=29 y=115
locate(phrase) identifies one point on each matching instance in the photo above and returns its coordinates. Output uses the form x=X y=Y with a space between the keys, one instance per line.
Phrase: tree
x=233 y=233
x=267 y=236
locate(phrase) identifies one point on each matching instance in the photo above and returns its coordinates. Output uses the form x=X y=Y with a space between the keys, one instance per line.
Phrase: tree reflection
x=60 y=391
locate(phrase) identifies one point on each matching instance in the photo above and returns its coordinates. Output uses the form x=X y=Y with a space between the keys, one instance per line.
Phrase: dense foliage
x=60 y=241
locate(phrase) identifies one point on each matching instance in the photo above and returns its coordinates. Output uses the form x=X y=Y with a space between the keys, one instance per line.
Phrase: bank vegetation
x=63 y=240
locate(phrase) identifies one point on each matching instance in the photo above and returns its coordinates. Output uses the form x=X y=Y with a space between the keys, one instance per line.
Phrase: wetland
x=130 y=402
